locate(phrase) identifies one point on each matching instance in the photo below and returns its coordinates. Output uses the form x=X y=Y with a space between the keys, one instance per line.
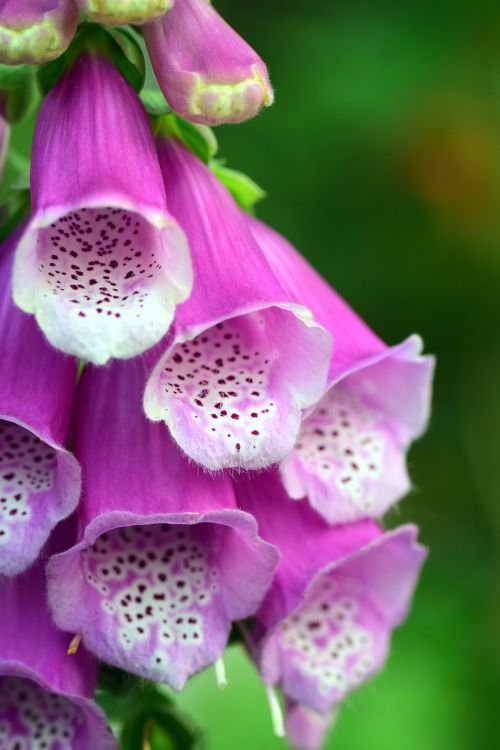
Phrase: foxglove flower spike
x=350 y=457
x=39 y=479
x=207 y=72
x=165 y=561
x=35 y=31
x=325 y=624
x=118 y=12
x=45 y=695
x=102 y=264
x=245 y=359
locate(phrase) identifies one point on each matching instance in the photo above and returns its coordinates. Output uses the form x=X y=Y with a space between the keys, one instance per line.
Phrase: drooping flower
x=208 y=73
x=325 y=624
x=39 y=479
x=306 y=729
x=116 y=12
x=165 y=561
x=350 y=457
x=245 y=359
x=102 y=263
x=45 y=694
x=35 y=31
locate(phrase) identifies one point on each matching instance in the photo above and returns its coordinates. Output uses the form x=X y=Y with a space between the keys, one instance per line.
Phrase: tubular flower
x=208 y=73
x=39 y=478
x=45 y=695
x=306 y=729
x=101 y=264
x=35 y=31
x=325 y=624
x=165 y=560
x=116 y=12
x=245 y=359
x=350 y=457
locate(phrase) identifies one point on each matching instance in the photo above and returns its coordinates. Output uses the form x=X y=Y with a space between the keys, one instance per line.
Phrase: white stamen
x=276 y=712
x=220 y=673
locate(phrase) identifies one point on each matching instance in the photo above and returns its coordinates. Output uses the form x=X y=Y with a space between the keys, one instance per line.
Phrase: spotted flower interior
x=232 y=395
x=33 y=486
x=330 y=644
x=349 y=459
x=155 y=598
x=107 y=270
x=32 y=719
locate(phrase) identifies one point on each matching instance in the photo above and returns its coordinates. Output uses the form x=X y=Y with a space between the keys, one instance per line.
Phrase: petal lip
x=119 y=12
x=97 y=725
x=65 y=612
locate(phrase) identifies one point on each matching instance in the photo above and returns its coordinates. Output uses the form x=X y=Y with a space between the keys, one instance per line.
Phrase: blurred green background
x=381 y=159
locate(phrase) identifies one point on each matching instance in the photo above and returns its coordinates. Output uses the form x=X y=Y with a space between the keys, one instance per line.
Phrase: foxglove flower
x=165 y=560
x=306 y=729
x=116 y=12
x=325 y=624
x=245 y=359
x=350 y=457
x=35 y=31
x=45 y=695
x=39 y=478
x=207 y=72
x=102 y=264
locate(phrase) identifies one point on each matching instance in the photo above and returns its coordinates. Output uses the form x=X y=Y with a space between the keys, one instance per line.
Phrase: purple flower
x=207 y=72
x=45 y=695
x=35 y=31
x=350 y=457
x=116 y=12
x=165 y=560
x=325 y=624
x=245 y=359
x=306 y=729
x=102 y=263
x=39 y=478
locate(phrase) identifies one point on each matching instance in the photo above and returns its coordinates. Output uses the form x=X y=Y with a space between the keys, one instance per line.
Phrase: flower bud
x=35 y=31
x=208 y=73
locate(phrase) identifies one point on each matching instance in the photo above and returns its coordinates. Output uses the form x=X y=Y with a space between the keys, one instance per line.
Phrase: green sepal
x=154 y=102
x=119 y=44
x=155 y=722
x=244 y=190
x=18 y=91
x=197 y=138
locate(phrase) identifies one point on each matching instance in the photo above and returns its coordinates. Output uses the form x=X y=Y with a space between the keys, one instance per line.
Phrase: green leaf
x=19 y=91
x=154 y=102
x=12 y=209
x=244 y=190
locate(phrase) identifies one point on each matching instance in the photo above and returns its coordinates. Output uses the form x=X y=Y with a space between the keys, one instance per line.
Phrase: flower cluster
x=234 y=431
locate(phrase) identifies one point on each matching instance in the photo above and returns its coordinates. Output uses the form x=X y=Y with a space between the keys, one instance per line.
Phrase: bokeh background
x=381 y=160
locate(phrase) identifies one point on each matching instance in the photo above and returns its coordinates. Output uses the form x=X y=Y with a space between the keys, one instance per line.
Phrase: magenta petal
x=246 y=359
x=102 y=263
x=325 y=624
x=306 y=729
x=350 y=458
x=35 y=31
x=39 y=479
x=117 y=12
x=44 y=693
x=208 y=73
x=165 y=560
